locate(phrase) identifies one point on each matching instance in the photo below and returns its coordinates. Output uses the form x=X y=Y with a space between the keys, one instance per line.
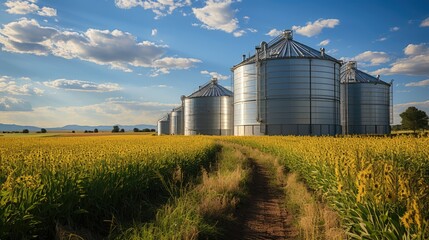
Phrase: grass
x=201 y=210
x=313 y=219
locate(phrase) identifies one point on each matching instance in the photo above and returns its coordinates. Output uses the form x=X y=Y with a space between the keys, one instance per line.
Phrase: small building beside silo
x=287 y=88
x=209 y=110
x=365 y=102
x=164 y=125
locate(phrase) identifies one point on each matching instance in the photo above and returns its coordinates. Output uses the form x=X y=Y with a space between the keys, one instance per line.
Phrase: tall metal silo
x=164 y=125
x=287 y=88
x=176 y=121
x=365 y=102
x=209 y=110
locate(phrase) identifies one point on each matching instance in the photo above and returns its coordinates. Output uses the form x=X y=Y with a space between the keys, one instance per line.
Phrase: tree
x=96 y=130
x=146 y=130
x=414 y=119
x=43 y=130
x=25 y=131
x=136 y=130
x=122 y=130
x=115 y=129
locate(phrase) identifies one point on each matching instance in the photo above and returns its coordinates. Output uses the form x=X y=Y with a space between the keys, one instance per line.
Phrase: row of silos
x=288 y=88
x=207 y=111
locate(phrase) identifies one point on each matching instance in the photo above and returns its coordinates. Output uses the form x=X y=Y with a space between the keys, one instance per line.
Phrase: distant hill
x=14 y=127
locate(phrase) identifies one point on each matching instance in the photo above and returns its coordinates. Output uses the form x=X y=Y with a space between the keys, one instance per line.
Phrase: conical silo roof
x=166 y=117
x=350 y=74
x=283 y=46
x=179 y=108
x=211 y=89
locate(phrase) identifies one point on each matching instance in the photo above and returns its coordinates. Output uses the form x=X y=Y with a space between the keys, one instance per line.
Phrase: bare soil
x=262 y=216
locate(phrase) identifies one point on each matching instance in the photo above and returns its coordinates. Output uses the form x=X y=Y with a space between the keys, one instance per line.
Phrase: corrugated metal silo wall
x=298 y=96
x=245 y=107
x=208 y=115
x=176 y=122
x=163 y=127
x=366 y=110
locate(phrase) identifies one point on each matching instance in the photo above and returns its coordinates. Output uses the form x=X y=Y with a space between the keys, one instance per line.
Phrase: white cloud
x=127 y=4
x=218 y=15
x=382 y=39
x=158 y=71
x=374 y=58
x=394 y=29
x=274 y=32
x=416 y=49
x=154 y=32
x=161 y=8
x=215 y=75
x=163 y=65
x=418 y=84
x=252 y=30
x=117 y=49
x=239 y=33
x=314 y=28
x=324 y=42
x=416 y=62
x=12 y=86
x=47 y=12
x=110 y=111
x=5 y=78
x=83 y=86
x=175 y=63
x=13 y=104
x=22 y=7
x=425 y=23
x=399 y=108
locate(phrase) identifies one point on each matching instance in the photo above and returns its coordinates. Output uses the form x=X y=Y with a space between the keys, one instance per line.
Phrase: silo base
x=368 y=129
x=288 y=129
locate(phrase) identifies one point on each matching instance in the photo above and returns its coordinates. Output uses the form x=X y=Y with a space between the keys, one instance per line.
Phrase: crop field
x=47 y=182
x=379 y=186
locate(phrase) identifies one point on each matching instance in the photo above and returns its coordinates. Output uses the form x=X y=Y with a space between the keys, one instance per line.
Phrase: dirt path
x=262 y=216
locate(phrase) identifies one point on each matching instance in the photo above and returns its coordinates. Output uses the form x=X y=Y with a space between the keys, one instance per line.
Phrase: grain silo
x=209 y=110
x=287 y=88
x=176 y=121
x=365 y=102
x=164 y=125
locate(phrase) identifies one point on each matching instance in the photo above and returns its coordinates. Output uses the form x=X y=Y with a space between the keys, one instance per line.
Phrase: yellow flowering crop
x=50 y=180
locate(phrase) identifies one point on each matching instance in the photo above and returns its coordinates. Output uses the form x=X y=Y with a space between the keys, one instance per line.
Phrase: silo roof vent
x=288 y=34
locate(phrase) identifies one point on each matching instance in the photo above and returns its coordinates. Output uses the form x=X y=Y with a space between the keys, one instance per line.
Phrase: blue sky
x=129 y=61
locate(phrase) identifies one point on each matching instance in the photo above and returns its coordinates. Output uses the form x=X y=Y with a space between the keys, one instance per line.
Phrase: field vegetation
x=379 y=186
x=52 y=184
x=178 y=187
